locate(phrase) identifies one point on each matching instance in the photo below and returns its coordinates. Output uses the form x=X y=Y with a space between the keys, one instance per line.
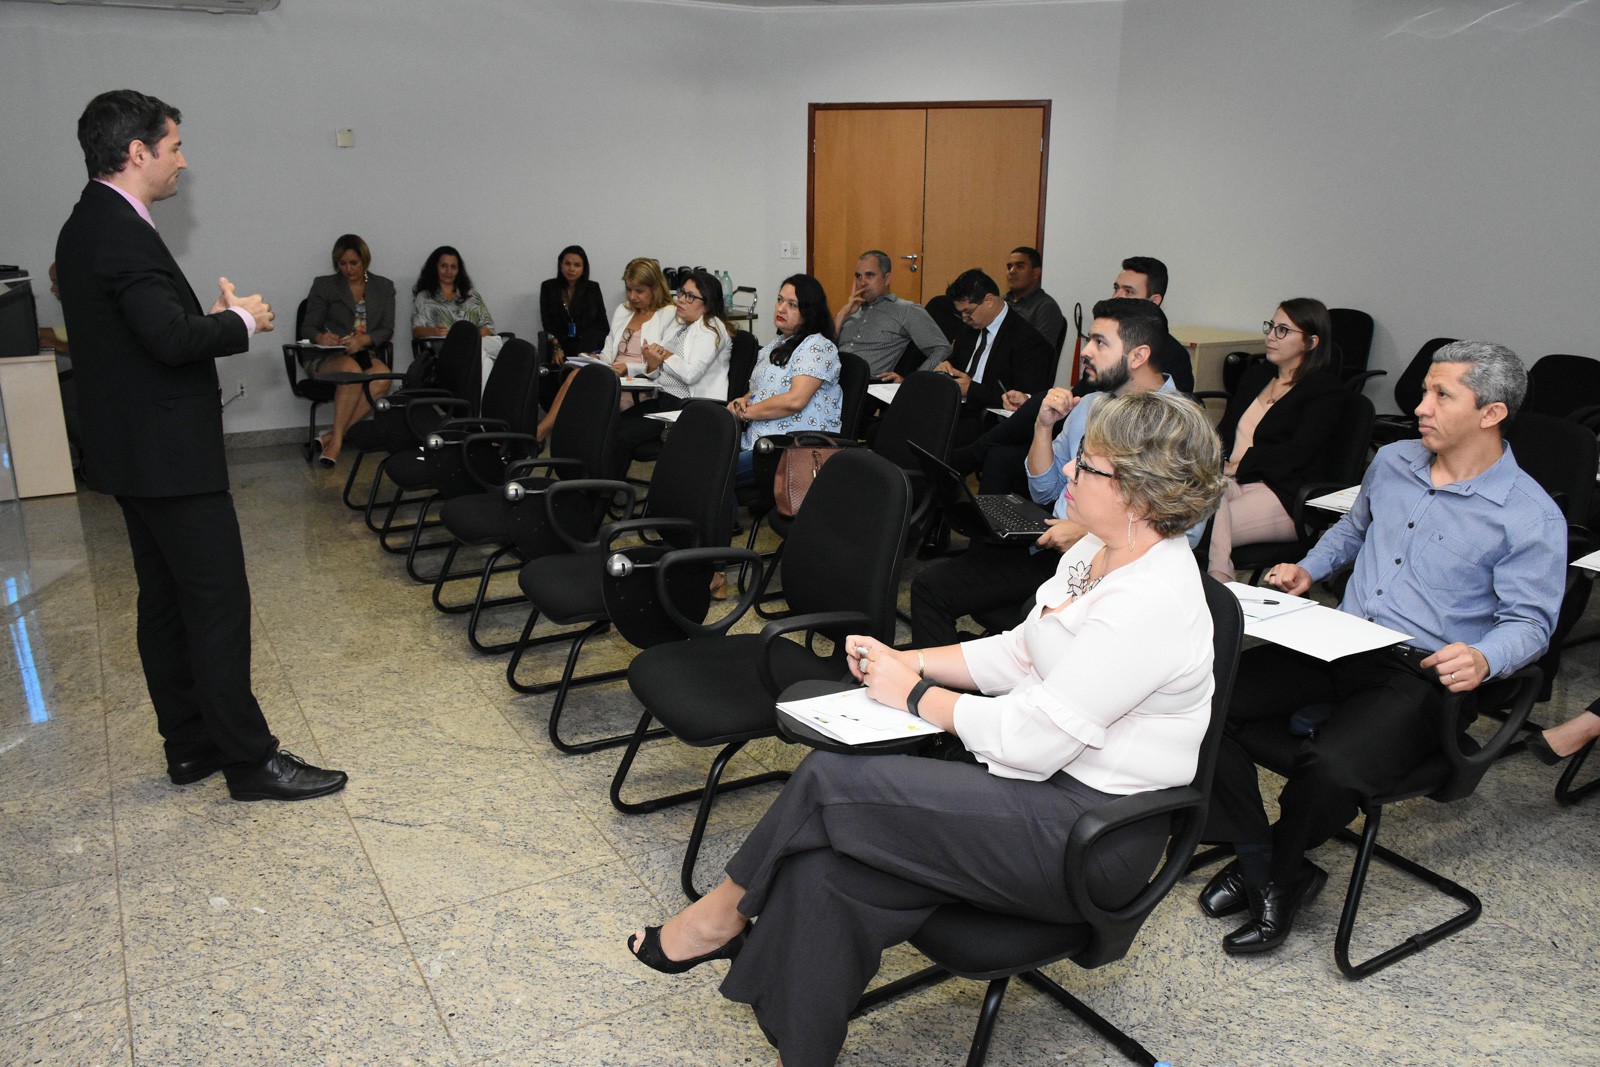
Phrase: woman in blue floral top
x=795 y=383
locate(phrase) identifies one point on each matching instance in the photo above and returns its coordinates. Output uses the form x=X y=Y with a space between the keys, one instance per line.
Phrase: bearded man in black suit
x=144 y=360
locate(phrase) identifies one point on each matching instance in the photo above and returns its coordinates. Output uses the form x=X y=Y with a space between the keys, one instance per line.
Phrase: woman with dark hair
x=571 y=309
x=1275 y=431
x=1104 y=691
x=353 y=309
x=690 y=360
x=795 y=383
x=444 y=296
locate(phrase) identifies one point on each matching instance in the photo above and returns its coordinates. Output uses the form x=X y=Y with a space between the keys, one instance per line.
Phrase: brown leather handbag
x=798 y=465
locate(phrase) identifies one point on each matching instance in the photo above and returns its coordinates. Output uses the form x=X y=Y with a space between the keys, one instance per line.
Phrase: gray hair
x=1167 y=458
x=885 y=264
x=1497 y=375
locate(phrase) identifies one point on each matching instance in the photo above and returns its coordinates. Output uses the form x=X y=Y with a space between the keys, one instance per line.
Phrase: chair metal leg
x=1102 y=1026
x=447 y=575
x=350 y=482
x=1565 y=794
x=418 y=545
x=564 y=687
x=1367 y=848
x=928 y=976
x=483 y=600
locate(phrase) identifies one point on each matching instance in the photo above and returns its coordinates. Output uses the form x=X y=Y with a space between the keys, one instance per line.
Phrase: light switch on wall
x=345 y=138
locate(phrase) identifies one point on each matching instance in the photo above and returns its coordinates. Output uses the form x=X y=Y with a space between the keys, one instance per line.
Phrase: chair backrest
x=943 y=311
x=1558 y=454
x=585 y=427
x=460 y=365
x=1408 y=388
x=853 y=377
x=1113 y=934
x=842 y=556
x=1560 y=384
x=1352 y=336
x=693 y=476
x=1344 y=457
x=741 y=361
x=512 y=392
x=924 y=413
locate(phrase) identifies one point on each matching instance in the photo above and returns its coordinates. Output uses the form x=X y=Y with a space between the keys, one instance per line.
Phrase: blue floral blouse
x=816 y=357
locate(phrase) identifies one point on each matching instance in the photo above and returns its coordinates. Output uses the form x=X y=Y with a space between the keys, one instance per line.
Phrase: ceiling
x=801 y=4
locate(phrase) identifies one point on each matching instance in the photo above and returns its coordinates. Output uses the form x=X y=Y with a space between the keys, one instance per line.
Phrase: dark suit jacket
x=1020 y=357
x=1292 y=437
x=142 y=353
x=588 y=314
x=332 y=307
x=1172 y=359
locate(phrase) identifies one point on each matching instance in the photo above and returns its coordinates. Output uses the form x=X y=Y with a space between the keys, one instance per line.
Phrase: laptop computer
x=1001 y=516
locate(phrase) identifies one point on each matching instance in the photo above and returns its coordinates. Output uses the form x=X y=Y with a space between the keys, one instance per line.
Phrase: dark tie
x=977 y=354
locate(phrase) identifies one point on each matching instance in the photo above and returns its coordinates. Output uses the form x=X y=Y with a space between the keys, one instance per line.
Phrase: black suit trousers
x=194 y=625
x=1382 y=726
x=986 y=577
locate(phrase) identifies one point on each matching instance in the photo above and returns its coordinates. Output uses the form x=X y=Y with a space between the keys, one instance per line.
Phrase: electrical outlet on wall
x=788 y=249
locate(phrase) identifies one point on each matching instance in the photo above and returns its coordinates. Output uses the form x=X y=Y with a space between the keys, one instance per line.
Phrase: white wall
x=1432 y=162
x=1435 y=176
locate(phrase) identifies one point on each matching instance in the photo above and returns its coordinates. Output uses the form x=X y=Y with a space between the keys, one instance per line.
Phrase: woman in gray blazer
x=353 y=310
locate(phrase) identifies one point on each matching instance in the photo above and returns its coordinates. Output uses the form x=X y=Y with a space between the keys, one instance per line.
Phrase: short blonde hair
x=349 y=242
x=1167 y=458
x=647 y=272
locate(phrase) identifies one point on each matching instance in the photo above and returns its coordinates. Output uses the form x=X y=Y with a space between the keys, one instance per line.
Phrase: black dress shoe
x=195 y=768
x=1541 y=748
x=1272 y=912
x=1224 y=895
x=283 y=776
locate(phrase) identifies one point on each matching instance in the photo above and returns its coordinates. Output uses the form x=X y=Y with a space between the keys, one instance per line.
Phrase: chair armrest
x=724 y=555
x=610 y=532
x=1212 y=394
x=463 y=427
x=1119 y=813
x=590 y=487
x=1307 y=491
x=1520 y=690
x=419 y=415
x=815 y=621
x=1357 y=380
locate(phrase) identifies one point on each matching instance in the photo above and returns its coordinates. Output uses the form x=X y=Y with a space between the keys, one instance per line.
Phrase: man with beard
x=996 y=576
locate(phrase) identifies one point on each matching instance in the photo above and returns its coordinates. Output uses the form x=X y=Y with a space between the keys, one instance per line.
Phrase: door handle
x=913 y=257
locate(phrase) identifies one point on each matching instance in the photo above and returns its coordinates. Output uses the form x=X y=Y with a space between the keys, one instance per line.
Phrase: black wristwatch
x=918 y=691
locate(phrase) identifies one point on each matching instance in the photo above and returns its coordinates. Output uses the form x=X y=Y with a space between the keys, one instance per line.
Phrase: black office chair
x=741 y=363
x=512 y=518
x=719 y=689
x=1407 y=395
x=944 y=314
x=316 y=390
x=1450 y=774
x=1345 y=458
x=447 y=466
x=1352 y=346
x=690 y=505
x=1560 y=385
x=967 y=942
x=854 y=376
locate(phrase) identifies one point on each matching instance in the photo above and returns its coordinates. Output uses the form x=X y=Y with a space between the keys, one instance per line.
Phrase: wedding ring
x=1452 y=676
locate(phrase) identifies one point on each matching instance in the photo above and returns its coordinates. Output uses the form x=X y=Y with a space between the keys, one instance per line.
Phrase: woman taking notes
x=1103 y=691
x=1275 y=432
x=353 y=309
x=690 y=360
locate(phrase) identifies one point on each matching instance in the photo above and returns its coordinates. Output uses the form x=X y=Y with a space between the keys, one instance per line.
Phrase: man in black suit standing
x=998 y=353
x=144 y=359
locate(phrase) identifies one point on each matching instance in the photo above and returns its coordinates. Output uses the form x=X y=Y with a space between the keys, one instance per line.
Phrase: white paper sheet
x=883 y=391
x=1325 y=633
x=1260 y=603
x=855 y=718
x=665 y=416
x=1341 y=501
x=1591 y=562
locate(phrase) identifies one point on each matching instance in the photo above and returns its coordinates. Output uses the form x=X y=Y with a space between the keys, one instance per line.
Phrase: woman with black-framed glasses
x=689 y=361
x=1104 y=691
x=1275 y=431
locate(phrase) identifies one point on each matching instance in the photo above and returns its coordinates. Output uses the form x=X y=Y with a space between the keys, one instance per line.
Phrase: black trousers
x=858 y=851
x=633 y=429
x=986 y=577
x=194 y=625
x=1382 y=726
x=999 y=454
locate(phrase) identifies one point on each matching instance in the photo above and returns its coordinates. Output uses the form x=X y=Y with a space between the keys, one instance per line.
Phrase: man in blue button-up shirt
x=1452 y=543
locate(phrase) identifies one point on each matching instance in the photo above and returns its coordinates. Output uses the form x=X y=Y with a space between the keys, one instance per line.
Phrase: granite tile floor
x=465 y=900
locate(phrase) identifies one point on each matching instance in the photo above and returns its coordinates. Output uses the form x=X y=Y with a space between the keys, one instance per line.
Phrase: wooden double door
x=940 y=187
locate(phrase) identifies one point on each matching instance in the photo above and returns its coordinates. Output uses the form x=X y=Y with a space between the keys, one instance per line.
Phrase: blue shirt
x=1052 y=484
x=1481 y=561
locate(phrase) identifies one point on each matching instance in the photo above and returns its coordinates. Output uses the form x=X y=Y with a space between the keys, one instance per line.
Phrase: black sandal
x=649 y=953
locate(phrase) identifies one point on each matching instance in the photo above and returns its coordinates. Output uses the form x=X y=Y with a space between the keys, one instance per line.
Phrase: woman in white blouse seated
x=690 y=360
x=1104 y=690
x=639 y=321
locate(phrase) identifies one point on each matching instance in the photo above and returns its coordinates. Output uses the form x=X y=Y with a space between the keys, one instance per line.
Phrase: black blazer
x=588 y=314
x=332 y=307
x=1292 y=437
x=143 y=355
x=1020 y=357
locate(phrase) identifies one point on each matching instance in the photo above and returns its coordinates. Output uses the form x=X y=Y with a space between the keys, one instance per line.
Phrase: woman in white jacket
x=689 y=360
x=636 y=323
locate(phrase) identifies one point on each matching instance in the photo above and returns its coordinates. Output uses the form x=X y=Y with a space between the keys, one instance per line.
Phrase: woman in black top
x=571 y=310
x=1275 y=432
